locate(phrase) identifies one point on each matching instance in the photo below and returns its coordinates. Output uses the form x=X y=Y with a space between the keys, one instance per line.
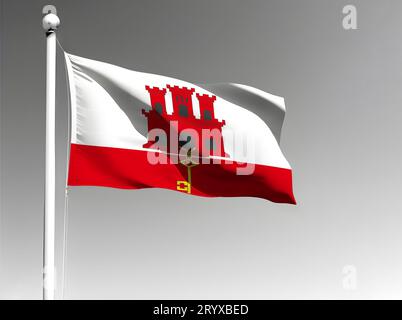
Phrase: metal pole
x=50 y=24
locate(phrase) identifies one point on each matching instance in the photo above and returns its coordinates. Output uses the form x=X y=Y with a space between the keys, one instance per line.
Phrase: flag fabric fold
x=137 y=130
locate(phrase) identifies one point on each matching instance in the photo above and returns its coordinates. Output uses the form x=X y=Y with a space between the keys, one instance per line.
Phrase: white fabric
x=107 y=100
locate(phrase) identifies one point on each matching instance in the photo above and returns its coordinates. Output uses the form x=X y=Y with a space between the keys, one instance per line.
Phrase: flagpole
x=50 y=23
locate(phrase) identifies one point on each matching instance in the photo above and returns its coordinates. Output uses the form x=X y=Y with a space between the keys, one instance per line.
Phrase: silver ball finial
x=50 y=22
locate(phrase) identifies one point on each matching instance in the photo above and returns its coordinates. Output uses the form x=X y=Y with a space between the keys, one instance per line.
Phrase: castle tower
x=182 y=102
x=156 y=116
x=212 y=144
x=206 y=106
x=157 y=96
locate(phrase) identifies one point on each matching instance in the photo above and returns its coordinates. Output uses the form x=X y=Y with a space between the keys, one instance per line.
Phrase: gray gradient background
x=342 y=135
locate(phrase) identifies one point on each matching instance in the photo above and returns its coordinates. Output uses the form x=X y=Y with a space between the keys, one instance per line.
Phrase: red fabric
x=130 y=169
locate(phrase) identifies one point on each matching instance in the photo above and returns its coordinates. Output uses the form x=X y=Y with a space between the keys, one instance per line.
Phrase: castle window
x=207 y=115
x=183 y=111
x=158 y=108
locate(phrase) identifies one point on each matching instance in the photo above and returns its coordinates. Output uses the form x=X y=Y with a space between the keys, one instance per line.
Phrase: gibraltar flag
x=137 y=130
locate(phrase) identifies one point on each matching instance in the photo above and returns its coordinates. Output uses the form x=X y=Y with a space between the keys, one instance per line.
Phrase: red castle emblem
x=203 y=134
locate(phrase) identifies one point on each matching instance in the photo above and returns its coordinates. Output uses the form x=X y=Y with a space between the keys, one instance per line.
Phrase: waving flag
x=136 y=130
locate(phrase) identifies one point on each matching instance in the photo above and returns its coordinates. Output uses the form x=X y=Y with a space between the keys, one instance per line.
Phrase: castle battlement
x=180 y=88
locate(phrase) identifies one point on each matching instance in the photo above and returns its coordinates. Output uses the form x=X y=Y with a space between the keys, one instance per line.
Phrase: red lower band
x=130 y=169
